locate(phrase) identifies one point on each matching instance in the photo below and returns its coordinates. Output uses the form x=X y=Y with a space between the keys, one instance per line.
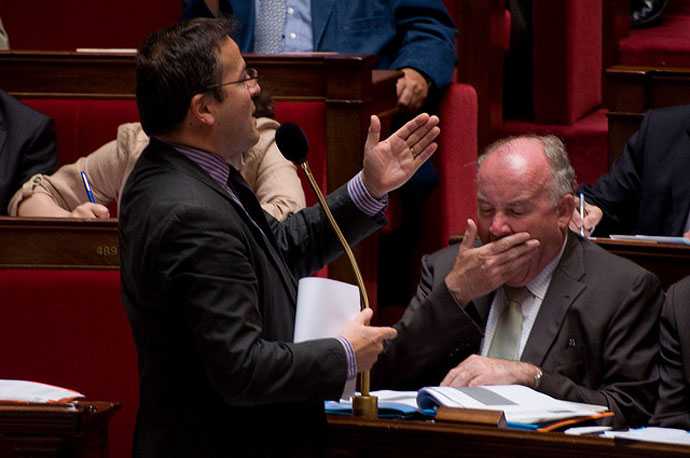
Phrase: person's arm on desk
x=41 y=204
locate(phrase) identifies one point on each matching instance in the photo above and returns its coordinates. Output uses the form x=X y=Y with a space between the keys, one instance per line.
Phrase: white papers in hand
x=323 y=308
x=33 y=392
x=520 y=404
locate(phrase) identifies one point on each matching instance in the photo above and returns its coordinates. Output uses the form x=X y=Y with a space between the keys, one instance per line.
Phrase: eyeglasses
x=250 y=78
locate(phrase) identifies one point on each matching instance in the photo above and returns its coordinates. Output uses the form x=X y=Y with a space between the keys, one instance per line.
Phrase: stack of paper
x=21 y=391
x=520 y=404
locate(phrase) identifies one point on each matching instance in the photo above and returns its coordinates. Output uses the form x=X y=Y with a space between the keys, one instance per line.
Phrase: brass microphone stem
x=346 y=246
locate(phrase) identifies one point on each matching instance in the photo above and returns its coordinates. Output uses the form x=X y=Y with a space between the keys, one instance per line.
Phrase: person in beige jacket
x=272 y=177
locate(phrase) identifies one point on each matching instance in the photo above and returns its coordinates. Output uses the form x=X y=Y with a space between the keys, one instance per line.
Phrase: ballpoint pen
x=582 y=215
x=87 y=187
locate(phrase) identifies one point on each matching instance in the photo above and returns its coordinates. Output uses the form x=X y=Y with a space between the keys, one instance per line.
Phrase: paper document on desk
x=22 y=391
x=652 y=238
x=323 y=308
x=653 y=434
x=520 y=404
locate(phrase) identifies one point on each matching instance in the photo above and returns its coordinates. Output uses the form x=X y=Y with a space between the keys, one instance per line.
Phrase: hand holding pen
x=585 y=218
x=90 y=209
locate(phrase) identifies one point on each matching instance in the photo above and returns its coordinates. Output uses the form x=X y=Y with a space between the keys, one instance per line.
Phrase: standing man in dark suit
x=415 y=36
x=27 y=146
x=209 y=280
x=534 y=305
x=647 y=190
x=673 y=408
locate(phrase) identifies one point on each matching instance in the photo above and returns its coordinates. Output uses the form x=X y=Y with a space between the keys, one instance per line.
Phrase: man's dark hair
x=173 y=65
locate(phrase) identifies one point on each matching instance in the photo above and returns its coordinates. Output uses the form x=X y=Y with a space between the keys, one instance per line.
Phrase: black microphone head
x=292 y=143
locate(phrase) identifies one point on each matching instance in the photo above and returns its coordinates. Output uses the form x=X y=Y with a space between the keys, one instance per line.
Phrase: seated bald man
x=534 y=304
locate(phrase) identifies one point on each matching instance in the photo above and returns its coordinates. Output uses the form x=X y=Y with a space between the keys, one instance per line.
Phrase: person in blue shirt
x=415 y=36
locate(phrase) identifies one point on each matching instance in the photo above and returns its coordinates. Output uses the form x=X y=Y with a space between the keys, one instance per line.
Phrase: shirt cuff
x=350 y=356
x=363 y=200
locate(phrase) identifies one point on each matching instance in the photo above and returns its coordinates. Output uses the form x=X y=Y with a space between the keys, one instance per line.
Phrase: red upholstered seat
x=453 y=201
x=586 y=142
x=68 y=328
x=567 y=59
x=82 y=125
x=667 y=44
x=567 y=72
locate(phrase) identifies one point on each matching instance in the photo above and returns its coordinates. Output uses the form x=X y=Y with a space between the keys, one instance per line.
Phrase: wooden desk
x=58 y=243
x=631 y=91
x=352 y=438
x=351 y=90
x=669 y=262
x=55 y=431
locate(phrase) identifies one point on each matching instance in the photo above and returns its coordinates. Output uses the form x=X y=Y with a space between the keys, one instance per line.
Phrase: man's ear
x=566 y=206
x=201 y=111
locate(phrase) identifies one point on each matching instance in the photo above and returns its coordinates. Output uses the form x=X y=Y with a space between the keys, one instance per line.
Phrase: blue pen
x=87 y=187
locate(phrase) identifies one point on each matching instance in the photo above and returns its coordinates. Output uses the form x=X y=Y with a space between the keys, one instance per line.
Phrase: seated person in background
x=647 y=190
x=535 y=304
x=27 y=146
x=673 y=407
x=272 y=177
x=415 y=36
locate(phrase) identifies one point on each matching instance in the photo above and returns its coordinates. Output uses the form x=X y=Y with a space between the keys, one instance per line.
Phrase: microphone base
x=365 y=406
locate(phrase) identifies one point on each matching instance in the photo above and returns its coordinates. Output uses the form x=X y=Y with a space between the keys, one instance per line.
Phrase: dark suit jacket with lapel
x=27 y=146
x=211 y=303
x=595 y=336
x=647 y=190
x=673 y=408
x=403 y=33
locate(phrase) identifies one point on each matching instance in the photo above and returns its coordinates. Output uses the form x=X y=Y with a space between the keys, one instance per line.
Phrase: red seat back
x=71 y=24
x=567 y=59
x=69 y=328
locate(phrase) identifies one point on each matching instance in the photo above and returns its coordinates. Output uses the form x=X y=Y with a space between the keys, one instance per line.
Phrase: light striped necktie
x=270 y=26
x=506 y=341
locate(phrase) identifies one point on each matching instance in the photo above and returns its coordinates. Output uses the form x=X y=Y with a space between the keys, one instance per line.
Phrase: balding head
x=533 y=151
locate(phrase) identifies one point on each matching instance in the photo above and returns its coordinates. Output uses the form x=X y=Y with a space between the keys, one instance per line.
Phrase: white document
x=33 y=392
x=652 y=238
x=408 y=398
x=520 y=404
x=323 y=308
x=653 y=434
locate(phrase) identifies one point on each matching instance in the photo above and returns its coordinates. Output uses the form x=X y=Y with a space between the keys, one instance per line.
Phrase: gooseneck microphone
x=292 y=142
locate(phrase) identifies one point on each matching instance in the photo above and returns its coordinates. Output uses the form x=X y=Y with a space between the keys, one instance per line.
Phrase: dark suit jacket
x=673 y=408
x=403 y=33
x=211 y=303
x=595 y=336
x=647 y=190
x=27 y=146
